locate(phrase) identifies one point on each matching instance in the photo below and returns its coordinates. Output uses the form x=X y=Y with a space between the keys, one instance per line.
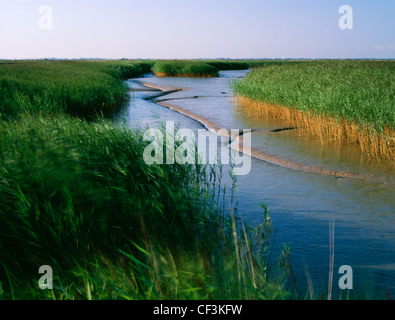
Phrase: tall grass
x=252 y=63
x=184 y=68
x=78 y=196
x=195 y=68
x=338 y=100
x=82 y=88
x=228 y=64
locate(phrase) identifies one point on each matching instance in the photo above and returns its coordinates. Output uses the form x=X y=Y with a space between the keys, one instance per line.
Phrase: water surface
x=358 y=197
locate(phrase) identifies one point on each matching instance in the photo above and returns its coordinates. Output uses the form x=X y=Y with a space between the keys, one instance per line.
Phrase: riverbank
x=349 y=101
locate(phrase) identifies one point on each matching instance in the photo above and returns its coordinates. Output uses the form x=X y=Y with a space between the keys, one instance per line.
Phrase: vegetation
x=83 y=88
x=269 y=62
x=228 y=64
x=76 y=195
x=340 y=100
x=195 y=68
x=184 y=68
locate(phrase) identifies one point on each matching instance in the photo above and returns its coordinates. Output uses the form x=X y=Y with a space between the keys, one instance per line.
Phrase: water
x=307 y=186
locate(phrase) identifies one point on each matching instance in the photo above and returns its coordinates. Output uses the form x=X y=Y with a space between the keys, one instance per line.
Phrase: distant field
x=228 y=64
x=195 y=68
x=339 y=100
x=267 y=62
x=184 y=68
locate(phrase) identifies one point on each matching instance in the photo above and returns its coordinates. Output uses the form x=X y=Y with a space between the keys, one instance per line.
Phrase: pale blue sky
x=197 y=29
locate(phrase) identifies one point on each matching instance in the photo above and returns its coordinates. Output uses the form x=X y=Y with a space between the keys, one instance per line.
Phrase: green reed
x=78 y=196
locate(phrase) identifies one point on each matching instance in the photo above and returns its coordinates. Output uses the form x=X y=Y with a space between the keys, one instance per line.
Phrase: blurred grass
x=78 y=196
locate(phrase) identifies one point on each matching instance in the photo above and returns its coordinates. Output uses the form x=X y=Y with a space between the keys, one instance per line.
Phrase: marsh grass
x=349 y=101
x=184 y=68
x=228 y=64
x=270 y=62
x=82 y=88
x=78 y=196
x=195 y=68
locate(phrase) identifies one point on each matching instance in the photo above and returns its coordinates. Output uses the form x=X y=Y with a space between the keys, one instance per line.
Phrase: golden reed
x=372 y=143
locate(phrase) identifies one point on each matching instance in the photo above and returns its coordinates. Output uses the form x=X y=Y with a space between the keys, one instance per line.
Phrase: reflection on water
x=302 y=204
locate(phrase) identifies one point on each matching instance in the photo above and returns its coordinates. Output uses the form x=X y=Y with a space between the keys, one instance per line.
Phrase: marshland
x=76 y=194
x=351 y=101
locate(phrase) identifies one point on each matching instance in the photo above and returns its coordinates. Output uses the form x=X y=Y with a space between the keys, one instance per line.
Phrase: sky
x=182 y=29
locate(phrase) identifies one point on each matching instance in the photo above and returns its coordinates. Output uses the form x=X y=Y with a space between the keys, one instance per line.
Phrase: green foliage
x=82 y=88
x=271 y=62
x=185 y=68
x=228 y=65
x=78 y=196
x=357 y=91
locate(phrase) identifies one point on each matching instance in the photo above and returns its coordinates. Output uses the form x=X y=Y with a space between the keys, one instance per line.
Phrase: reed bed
x=351 y=101
x=268 y=62
x=82 y=88
x=228 y=64
x=78 y=196
x=184 y=68
x=195 y=68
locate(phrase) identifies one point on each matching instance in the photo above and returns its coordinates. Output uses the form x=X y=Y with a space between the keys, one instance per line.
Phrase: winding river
x=308 y=186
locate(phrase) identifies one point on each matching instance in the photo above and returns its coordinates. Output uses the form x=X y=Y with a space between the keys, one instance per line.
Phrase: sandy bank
x=237 y=144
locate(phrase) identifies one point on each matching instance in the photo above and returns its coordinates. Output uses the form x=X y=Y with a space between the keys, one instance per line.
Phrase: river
x=308 y=186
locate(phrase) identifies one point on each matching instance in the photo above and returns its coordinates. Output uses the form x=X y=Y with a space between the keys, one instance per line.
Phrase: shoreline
x=257 y=154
